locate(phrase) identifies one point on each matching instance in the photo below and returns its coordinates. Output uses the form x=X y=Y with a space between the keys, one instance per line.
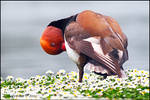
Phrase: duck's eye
x=53 y=44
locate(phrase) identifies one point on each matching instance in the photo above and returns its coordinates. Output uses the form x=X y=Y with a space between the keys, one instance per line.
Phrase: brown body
x=103 y=31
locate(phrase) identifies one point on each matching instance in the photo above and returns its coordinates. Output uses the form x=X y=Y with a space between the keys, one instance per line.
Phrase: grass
x=65 y=85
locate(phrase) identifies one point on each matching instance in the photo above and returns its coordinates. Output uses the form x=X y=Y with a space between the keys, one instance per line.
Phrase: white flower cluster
x=65 y=85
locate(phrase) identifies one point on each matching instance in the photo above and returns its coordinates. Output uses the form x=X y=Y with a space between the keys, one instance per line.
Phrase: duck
x=94 y=41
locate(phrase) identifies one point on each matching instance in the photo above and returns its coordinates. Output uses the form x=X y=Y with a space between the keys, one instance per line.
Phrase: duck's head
x=52 y=40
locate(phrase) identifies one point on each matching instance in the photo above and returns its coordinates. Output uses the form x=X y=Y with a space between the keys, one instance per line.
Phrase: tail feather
x=100 y=70
x=96 y=68
x=123 y=74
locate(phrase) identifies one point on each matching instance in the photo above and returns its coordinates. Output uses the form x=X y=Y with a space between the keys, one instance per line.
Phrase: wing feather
x=86 y=48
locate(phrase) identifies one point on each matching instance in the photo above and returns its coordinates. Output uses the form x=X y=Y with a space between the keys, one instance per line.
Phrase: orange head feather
x=52 y=40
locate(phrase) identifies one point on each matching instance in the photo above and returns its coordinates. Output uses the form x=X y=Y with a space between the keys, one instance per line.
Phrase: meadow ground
x=65 y=85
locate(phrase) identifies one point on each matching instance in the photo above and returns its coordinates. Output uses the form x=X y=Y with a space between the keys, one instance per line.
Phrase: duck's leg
x=81 y=64
x=81 y=72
